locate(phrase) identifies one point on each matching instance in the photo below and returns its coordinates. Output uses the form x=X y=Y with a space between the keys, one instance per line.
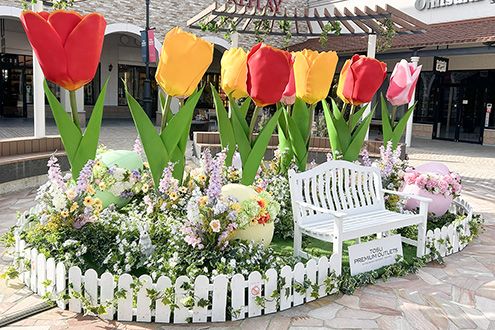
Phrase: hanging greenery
x=335 y=29
x=385 y=36
x=57 y=4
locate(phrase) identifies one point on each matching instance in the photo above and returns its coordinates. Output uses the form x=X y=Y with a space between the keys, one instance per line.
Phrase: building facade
x=456 y=89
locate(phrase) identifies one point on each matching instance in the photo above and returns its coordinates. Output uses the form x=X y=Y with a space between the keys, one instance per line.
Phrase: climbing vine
x=385 y=36
x=57 y=4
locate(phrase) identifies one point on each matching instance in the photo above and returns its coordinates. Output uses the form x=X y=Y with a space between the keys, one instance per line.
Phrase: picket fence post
x=107 y=286
x=124 y=305
x=219 y=296
x=162 y=313
x=238 y=297
x=143 y=301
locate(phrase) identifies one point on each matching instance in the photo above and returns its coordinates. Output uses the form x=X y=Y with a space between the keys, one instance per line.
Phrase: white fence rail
x=248 y=297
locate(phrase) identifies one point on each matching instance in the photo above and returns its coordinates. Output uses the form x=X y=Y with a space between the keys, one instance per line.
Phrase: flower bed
x=200 y=299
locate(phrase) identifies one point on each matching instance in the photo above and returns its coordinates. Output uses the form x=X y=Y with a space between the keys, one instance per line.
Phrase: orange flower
x=67 y=45
x=234 y=70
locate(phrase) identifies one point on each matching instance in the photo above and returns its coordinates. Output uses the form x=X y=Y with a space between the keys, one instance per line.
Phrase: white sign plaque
x=374 y=254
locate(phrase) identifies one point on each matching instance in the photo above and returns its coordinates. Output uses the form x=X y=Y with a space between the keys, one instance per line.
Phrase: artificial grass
x=318 y=248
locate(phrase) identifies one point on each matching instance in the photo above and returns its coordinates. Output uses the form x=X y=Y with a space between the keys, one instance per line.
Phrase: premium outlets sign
x=273 y=5
x=430 y=4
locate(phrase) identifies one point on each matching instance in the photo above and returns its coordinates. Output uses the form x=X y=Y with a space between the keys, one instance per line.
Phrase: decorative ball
x=122 y=159
x=441 y=203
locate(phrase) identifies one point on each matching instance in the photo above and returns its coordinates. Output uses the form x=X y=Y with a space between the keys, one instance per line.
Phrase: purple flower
x=111 y=169
x=84 y=176
x=366 y=158
x=207 y=160
x=137 y=175
x=55 y=174
x=214 y=190
x=166 y=178
x=138 y=147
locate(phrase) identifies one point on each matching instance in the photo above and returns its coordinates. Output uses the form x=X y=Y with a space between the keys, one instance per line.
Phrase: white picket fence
x=243 y=293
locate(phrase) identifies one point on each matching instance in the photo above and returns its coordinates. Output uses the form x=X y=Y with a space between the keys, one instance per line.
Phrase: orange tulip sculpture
x=267 y=74
x=68 y=47
x=183 y=62
x=360 y=78
x=313 y=75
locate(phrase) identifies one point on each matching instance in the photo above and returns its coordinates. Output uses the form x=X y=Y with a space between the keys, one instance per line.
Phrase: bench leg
x=337 y=242
x=423 y=210
x=297 y=241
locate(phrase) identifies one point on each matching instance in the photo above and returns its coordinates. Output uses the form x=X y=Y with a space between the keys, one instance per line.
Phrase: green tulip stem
x=353 y=107
x=310 y=122
x=165 y=111
x=253 y=123
x=289 y=108
x=73 y=108
x=394 y=109
x=181 y=103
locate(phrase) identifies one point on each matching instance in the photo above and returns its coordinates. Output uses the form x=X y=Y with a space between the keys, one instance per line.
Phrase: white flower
x=222 y=260
x=215 y=225
x=119 y=174
x=127 y=267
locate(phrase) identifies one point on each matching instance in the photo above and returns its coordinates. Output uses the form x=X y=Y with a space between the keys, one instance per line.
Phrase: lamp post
x=147 y=83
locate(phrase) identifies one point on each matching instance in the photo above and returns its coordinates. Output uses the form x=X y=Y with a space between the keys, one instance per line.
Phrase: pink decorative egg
x=440 y=203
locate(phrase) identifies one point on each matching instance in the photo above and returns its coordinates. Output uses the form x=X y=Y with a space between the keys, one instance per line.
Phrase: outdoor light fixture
x=110 y=67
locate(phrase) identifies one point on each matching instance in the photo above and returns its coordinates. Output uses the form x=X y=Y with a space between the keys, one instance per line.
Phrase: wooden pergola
x=358 y=23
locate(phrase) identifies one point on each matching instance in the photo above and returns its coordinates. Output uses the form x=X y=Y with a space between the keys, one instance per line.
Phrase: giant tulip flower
x=183 y=62
x=234 y=70
x=360 y=78
x=289 y=94
x=314 y=74
x=402 y=83
x=67 y=45
x=268 y=72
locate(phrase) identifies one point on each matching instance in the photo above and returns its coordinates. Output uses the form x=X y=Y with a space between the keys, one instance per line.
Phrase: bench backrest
x=336 y=185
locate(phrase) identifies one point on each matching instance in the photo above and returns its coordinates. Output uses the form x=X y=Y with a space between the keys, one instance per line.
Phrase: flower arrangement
x=444 y=184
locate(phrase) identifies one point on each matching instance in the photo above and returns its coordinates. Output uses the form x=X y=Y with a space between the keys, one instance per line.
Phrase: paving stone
x=306 y=321
x=260 y=323
x=325 y=313
x=487 y=290
x=357 y=314
x=349 y=301
x=388 y=322
x=414 y=316
x=486 y=306
x=453 y=312
x=279 y=323
x=435 y=316
x=481 y=321
x=343 y=323
x=463 y=297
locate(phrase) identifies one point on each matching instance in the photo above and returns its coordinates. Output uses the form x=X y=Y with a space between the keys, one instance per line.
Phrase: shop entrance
x=15 y=85
x=460 y=101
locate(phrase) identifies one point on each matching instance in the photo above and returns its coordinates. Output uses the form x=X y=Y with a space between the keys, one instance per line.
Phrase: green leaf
x=297 y=141
x=70 y=135
x=157 y=154
x=250 y=167
x=89 y=141
x=241 y=136
x=343 y=133
x=333 y=135
x=245 y=106
x=227 y=137
x=352 y=152
x=386 y=123
x=357 y=116
x=401 y=125
x=240 y=113
x=284 y=142
x=300 y=114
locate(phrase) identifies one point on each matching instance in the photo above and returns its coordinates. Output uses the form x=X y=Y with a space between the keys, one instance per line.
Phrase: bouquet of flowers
x=445 y=184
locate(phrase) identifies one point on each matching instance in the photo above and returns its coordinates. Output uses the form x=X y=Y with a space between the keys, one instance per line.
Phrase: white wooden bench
x=339 y=200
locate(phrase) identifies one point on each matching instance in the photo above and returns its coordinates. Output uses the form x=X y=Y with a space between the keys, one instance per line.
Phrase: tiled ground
x=457 y=295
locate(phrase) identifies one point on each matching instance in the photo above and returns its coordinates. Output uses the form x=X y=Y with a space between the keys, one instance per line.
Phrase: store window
x=92 y=89
x=134 y=77
x=206 y=99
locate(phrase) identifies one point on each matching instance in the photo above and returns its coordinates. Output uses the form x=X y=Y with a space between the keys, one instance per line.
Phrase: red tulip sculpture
x=68 y=47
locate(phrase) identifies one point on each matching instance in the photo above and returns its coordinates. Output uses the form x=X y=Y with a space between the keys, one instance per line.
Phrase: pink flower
x=431 y=183
x=410 y=177
x=421 y=180
x=443 y=186
x=448 y=179
x=402 y=83
x=215 y=226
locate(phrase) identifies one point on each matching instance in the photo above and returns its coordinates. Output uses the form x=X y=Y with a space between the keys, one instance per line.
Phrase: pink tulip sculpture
x=400 y=91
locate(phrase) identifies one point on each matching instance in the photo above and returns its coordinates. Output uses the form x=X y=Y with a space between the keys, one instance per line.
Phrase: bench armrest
x=336 y=214
x=400 y=193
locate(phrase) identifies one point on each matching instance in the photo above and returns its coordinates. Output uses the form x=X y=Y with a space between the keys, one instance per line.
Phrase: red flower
x=267 y=74
x=360 y=78
x=67 y=45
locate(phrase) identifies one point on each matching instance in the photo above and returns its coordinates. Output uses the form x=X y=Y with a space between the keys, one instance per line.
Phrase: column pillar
x=409 y=126
x=371 y=53
x=39 y=95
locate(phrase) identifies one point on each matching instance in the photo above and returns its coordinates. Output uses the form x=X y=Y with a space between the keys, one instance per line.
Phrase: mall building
x=455 y=92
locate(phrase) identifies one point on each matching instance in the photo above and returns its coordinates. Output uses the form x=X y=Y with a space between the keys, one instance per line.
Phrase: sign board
x=273 y=5
x=374 y=254
x=440 y=64
x=143 y=45
x=151 y=43
x=488 y=112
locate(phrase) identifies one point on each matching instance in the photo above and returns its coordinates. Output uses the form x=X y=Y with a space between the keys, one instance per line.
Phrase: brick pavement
x=457 y=295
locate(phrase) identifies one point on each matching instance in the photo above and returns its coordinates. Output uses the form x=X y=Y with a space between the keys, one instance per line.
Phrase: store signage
x=273 y=5
x=488 y=112
x=143 y=45
x=440 y=64
x=151 y=44
x=374 y=254
x=431 y=4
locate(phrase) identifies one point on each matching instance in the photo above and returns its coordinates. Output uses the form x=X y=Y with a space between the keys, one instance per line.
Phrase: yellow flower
x=202 y=177
x=102 y=185
x=234 y=71
x=183 y=190
x=71 y=193
x=90 y=190
x=64 y=213
x=96 y=212
x=145 y=188
x=236 y=207
x=97 y=201
x=173 y=195
x=202 y=201
x=74 y=207
x=313 y=73
x=146 y=164
x=183 y=62
x=88 y=201
x=98 y=163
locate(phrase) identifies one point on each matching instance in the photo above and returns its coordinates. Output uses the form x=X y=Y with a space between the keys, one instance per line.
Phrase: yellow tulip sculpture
x=183 y=62
x=234 y=71
x=313 y=73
